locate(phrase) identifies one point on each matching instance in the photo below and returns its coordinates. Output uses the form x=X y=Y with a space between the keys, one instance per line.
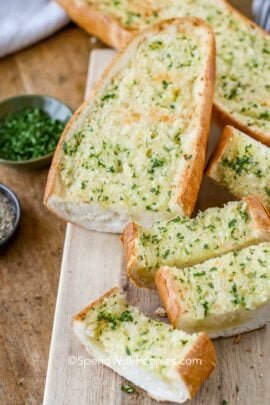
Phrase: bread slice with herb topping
x=169 y=364
x=183 y=242
x=136 y=149
x=241 y=165
x=243 y=49
x=223 y=296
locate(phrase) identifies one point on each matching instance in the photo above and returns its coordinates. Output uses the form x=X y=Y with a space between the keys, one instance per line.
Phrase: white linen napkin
x=261 y=11
x=24 y=22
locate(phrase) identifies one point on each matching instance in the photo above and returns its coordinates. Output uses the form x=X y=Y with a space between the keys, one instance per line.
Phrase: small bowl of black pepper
x=10 y=213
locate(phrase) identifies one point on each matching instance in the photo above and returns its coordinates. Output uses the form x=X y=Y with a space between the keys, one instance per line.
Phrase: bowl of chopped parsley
x=30 y=128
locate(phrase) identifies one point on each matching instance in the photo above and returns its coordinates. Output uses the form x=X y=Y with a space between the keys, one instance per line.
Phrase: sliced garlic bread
x=183 y=242
x=223 y=296
x=149 y=353
x=243 y=49
x=136 y=149
x=241 y=165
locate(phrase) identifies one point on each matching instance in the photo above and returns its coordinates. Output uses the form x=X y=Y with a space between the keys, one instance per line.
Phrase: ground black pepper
x=7 y=217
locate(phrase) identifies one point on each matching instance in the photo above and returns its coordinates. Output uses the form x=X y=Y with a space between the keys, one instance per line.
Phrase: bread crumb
x=160 y=312
x=20 y=381
x=237 y=339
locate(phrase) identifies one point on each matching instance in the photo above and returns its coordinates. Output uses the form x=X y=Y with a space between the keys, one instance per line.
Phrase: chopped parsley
x=27 y=134
x=126 y=316
x=128 y=389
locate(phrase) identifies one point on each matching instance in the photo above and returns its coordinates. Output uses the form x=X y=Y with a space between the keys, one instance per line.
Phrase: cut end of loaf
x=231 y=301
x=185 y=379
x=203 y=353
x=260 y=215
x=240 y=165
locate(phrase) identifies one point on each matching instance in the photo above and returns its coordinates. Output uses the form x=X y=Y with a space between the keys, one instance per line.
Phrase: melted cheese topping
x=243 y=53
x=237 y=281
x=244 y=167
x=138 y=138
x=184 y=241
x=124 y=332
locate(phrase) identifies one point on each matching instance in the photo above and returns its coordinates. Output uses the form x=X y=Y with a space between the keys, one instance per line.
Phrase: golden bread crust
x=191 y=185
x=226 y=136
x=168 y=295
x=259 y=214
x=96 y=23
x=194 y=374
x=81 y=315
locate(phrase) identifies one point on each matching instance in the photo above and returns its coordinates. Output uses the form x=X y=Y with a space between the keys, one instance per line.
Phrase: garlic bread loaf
x=169 y=364
x=223 y=296
x=136 y=149
x=241 y=165
x=243 y=49
x=183 y=242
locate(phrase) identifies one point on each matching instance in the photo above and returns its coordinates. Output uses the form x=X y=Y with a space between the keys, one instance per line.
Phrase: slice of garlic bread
x=169 y=364
x=243 y=48
x=241 y=165
x=136 y=149
x=183 y=242
x=223 y=296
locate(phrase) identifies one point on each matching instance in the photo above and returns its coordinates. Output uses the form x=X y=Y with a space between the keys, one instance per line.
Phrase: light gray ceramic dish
x=15 y=204
x=55 y=108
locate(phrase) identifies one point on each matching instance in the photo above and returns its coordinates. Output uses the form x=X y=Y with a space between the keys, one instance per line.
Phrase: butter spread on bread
x=243 y=49
x=182 y=242
x=136 y=149
x=149 y=353
x=223 y=296
x=241 y=165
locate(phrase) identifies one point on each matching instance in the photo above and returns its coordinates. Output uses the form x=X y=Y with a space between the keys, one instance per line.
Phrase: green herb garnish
x=205 y=305
x=126 y=317
x=199 y=274
x=28 y=134
x=240 y=164
x=232 y=223
x=127 y=389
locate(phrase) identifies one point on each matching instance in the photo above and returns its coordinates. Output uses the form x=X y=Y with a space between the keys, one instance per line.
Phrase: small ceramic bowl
x=55 y=108
x=15 y=204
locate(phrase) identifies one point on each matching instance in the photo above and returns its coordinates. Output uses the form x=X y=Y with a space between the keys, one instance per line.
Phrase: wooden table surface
x=29 y=267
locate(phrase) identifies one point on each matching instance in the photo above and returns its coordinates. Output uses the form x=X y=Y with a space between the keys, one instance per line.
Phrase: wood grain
x=93 y=263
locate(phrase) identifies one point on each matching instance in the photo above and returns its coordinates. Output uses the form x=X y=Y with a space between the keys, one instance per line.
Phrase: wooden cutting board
x=92 y=263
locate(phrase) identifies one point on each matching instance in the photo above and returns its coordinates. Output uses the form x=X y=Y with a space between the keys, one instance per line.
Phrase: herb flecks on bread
x=137 y=149
x=241 y=165
x=149 y=353
x=243 y=49
x=220 y=294
x=183 y=242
